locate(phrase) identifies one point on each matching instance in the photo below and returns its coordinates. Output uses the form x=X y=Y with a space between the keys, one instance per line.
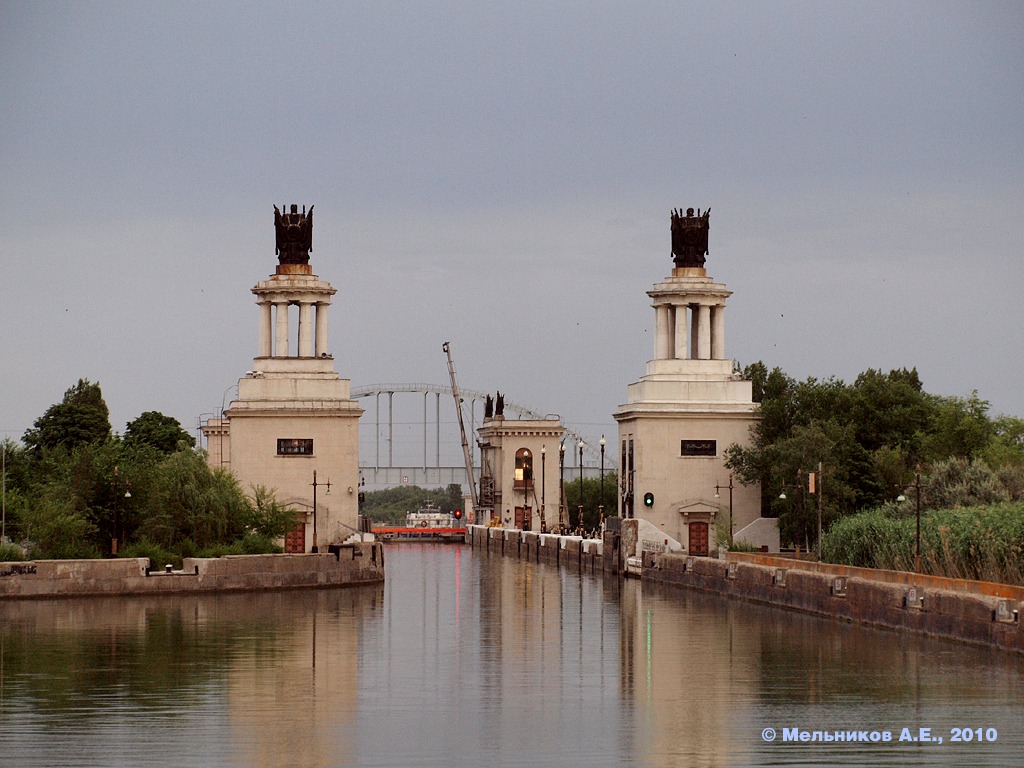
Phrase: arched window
x=524 y=468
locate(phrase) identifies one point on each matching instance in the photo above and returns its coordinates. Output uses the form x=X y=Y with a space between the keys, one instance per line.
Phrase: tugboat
x=428 y=523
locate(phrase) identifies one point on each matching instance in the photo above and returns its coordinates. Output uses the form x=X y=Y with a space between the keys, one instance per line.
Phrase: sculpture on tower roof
x=690 y=237
x=294 y=235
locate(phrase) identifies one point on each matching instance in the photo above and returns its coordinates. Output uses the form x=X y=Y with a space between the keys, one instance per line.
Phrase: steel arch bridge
x=430 y=471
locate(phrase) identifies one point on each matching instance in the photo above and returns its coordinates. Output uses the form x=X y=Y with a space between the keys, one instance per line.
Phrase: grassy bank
x=985 y=543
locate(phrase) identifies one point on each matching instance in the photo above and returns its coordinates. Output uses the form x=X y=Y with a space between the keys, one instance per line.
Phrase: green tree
x=154 y=429
x=190 y=507
x=1006 y=448
x=270 y=519
x=56 y=530
x=890 y=410
x=591 y=500
x=960 y=428
x=869 y=436
x=391 y=505
x=81 y=418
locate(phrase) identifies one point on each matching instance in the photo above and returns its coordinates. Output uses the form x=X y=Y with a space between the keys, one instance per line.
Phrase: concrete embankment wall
x=974 y=612
x=970 y=611
x=352 y=564
x=571 y=551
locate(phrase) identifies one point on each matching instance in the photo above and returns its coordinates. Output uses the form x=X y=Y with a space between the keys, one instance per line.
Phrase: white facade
x=520 y=472
x=682 y=415
x=294 y=419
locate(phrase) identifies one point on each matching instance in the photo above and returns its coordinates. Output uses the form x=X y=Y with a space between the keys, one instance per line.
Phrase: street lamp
x=730 y=487
x=600 y=506
x=543 y=488
x=315 y=484
x=561 y=487
x=815 y=485
x=117 y=505
x=916 y=485
x=581 y=487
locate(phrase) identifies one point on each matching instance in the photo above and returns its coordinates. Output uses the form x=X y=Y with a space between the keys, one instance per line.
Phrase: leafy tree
x=960 y=428
x=154 y=429
x=869 y=436
x=191 y=507
x=1006 y=448
x=81 y=418
x=58 y=531
x=591 y=500
x=270 y=518
x=890 y=410
x=392 y=504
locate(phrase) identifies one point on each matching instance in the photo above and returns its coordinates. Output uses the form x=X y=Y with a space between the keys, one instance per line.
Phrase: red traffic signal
x=458 y=514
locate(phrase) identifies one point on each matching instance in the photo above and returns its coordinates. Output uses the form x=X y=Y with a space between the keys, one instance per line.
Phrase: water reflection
x=466 y=658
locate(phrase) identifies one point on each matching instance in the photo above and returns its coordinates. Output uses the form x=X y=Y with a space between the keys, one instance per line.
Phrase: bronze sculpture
x=690 y=237
x=294 y=235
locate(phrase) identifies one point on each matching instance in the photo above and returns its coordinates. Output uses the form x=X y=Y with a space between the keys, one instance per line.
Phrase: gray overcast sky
x=500 y=175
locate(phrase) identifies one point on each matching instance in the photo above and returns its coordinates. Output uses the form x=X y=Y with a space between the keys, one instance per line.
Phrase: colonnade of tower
x=274 y=298
x=689 y=316
x=689 y=331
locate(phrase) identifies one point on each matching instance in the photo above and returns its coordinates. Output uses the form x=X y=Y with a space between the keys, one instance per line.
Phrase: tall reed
x=984 y=543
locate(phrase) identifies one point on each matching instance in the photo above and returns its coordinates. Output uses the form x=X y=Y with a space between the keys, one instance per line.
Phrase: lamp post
x=561 y=486
x=543 y=488
x=114 y=540
x=580 y=519
x=3 y=493
x=600 y=506
x=315 y=484
x=916 y=485
x=800 y=486
x=718 y=488
x=815 y=485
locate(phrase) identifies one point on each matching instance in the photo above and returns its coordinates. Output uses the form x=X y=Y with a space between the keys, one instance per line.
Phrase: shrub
x=158 y=556
x=11 y=553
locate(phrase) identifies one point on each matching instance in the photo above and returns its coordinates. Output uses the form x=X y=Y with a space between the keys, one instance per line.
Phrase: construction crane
x=462 y=429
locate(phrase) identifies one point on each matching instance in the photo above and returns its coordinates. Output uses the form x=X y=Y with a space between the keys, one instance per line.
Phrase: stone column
x=662 y=348
x=681 y=332
x=281 y=342
x=266 y=342
x=718 y=332
x=305 y=329
x=704 y=332
x=321 y=329
x=694 y=331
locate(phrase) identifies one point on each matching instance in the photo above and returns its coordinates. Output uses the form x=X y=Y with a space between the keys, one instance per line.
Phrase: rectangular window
x=295 y=446
x=698 y=448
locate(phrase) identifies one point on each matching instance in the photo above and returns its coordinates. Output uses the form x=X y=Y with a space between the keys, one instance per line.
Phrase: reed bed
x=984 y=543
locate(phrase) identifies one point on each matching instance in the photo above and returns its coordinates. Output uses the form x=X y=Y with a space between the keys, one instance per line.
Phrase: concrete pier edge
x=349 y=565
x=973 y=612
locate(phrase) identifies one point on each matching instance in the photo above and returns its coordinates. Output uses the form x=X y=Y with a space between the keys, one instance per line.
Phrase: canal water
x=468 y=659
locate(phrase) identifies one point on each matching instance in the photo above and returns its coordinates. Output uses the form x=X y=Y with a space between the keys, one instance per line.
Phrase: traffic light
x=648 y=499
x=458 y=514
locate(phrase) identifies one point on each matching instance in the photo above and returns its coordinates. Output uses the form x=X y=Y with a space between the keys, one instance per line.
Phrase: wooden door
x=699 y=539
x=295 y=540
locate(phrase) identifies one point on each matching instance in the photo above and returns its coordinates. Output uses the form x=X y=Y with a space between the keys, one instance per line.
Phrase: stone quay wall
x=975 y=612
x=347 y=565
x=567 y=551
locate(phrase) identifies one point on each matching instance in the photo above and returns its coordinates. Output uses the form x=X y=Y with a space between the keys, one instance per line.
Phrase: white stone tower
x=294 y=422
x=685 y=411
x=519 y=477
